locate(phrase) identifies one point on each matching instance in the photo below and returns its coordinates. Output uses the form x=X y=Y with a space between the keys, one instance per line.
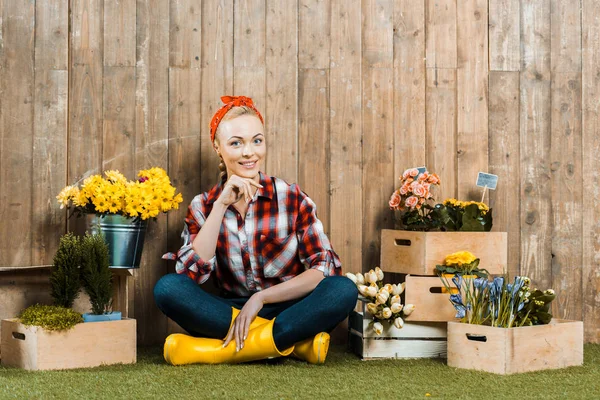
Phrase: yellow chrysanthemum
x=66 y=195
x=81 y=200
x=459 y=258
x=101 y=204
x=115 y=176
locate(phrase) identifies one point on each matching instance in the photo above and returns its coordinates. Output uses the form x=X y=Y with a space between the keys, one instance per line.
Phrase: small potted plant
x=96 y=277
x=465 y=216
x=119 y=209
x=461 y=263
x=64 y=276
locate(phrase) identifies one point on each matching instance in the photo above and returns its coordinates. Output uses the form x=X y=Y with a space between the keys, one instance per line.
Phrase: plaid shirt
x=280 y=237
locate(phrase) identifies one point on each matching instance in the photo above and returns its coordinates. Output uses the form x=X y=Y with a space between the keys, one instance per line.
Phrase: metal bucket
x=125 y=238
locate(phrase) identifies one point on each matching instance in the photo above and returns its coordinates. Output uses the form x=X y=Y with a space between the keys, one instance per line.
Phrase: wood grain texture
x=567 y=195
x=50 y=161
x=428 y=306
x=216 y=79
x=441 y=44
x=504 y=160
x=441 y=130
x=314 y=35
x=16 y=132
x=313 y=138
x=85 y=91
x=504 y=35
x=535 y=116
x=118 y=150
x=282 y=89
x=151 y=149
x=409 y=83
x=566 y=35
x=119 y=33
x=346 y=134
x=249 y=55
x=185 y=33
x=51 y=35
x=591 y=169
x=472 y=94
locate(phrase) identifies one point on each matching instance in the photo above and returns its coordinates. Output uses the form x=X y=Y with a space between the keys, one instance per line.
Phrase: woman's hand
x=235 y=188
x=239 y=329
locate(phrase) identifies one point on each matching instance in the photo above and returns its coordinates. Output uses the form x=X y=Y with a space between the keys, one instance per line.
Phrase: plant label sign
x=489 y=181
x=421 y=170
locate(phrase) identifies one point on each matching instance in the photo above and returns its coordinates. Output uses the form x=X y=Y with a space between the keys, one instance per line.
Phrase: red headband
x=230 y=102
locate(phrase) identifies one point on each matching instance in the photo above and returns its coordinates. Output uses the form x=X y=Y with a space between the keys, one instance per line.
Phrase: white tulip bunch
x=385 y=299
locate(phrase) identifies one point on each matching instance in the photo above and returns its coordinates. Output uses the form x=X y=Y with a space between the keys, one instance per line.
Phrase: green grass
x=344 y=376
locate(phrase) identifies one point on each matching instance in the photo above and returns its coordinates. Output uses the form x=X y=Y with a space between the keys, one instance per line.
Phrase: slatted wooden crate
x=418 y=253
x=507 y=351
x=425 y=292
x=414 y=340
x=85 y=345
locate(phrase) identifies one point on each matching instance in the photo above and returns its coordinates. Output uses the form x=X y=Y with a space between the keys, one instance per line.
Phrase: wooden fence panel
x=505 y=41
x=152 y=150
x=16 y=132
x=50 y=128
x=345 y=185
x=591 y=168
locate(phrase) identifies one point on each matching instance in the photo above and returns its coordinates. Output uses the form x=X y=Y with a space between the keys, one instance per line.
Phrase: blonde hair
x=234 y=113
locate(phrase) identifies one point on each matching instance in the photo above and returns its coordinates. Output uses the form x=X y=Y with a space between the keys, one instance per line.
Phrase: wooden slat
x=249 y=51
x=566 y=163
x=119 y=33
x=504 y=161
x=16 y=132
x=566 y=35
x=441 y=29
x=409 y=83
x=282 y=89
x=378 y=121
x=567 y=195
x=505 y=28
x=185 y=33
x=85 y=90
x=472 y=80
x=51 y=35
x=184 y=143
x=441 y=129
x=50 y=128
x=49 y=158
x=313 y=138
x=535 y=110
x=118 y=144
x=314 y=22
x=217 y=78
x=591 y=168
x=151 y=144
x=346 y=207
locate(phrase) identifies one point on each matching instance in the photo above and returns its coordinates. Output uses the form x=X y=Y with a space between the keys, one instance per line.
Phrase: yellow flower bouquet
x=143 y=198
x=461 y=263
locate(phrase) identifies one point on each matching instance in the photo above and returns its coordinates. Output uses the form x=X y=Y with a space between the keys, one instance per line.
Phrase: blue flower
x=480 y=283
x=456 y=299
x=460 y=312
x=457 y=280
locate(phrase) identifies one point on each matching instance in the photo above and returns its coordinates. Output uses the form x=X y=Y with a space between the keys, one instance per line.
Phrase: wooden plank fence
x=353 y=92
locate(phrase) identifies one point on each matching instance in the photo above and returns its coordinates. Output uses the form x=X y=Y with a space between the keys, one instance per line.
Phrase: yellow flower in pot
x=462 y=263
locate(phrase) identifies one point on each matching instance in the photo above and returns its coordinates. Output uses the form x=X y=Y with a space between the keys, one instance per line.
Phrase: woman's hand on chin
x=241 y=325
x=235 y=188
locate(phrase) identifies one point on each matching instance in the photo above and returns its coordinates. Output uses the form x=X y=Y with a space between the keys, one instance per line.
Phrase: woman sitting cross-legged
x=260 y=238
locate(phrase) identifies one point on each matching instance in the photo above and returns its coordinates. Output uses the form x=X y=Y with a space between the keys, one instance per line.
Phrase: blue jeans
x=205 y=315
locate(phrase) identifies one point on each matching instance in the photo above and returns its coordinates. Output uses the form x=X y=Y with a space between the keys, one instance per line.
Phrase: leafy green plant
x=52 y=318
x=461 y=263
x=466 y=216
x=65 y=282
x=95 y=273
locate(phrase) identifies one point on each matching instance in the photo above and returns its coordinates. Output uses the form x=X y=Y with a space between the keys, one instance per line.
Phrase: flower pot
x=125 y=238
x=112 y=316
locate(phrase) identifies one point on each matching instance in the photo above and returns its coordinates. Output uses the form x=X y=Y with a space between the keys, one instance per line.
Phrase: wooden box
x=85 y=345
x=507 y=351
x=418 y=253
x=425 y=292
x=414 y=340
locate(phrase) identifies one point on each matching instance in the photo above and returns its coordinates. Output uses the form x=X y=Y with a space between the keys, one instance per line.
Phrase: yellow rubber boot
x=313 y=350
x=258 y=321
x=183 y=349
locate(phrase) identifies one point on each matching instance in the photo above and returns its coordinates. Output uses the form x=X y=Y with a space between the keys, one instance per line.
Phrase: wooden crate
x=431 y=305
x=418 y=253
x=414 y=340
x=86 y=345
x=507 y=351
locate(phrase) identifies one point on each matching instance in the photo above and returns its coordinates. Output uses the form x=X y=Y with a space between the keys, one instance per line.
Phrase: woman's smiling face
x=241 y=144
